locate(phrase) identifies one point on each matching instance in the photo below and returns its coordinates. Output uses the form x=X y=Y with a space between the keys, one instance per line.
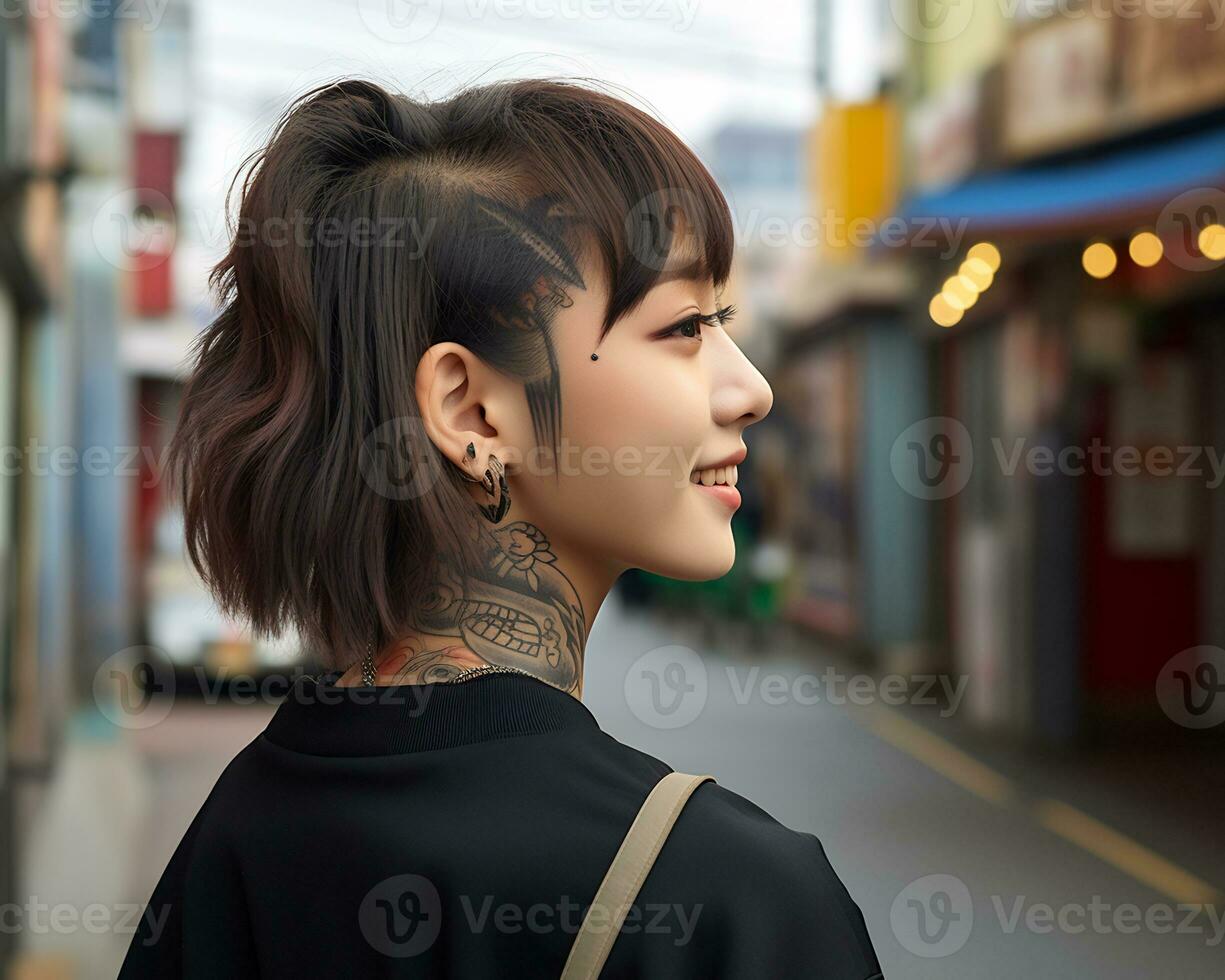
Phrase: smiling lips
x=718 y=482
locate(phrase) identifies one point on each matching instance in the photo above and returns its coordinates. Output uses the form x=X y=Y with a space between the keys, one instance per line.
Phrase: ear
x=463 y=400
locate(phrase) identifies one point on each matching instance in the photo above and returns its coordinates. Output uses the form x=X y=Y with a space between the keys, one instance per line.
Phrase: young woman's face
x=636 y=425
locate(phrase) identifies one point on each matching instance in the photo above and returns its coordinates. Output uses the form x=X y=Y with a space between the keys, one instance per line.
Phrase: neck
x=530 y=607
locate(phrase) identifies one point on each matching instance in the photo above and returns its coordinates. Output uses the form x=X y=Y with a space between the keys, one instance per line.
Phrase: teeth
x=720 y=474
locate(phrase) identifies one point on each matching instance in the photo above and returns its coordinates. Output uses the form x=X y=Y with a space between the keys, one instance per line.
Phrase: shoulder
x=764 y=895
x=719 y=821
x=728 y=840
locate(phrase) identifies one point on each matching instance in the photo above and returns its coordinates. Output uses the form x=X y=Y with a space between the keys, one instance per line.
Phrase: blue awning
x=1084 y=191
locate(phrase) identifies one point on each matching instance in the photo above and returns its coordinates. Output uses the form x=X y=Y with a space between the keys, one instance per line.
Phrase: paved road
x=962 y=869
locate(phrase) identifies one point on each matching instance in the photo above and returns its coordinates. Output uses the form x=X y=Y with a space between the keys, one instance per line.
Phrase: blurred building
x=850 y=373
x=1023 y=357
x=93 y=110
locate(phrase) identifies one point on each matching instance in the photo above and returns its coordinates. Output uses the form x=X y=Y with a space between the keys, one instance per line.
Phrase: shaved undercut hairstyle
x=370 y=227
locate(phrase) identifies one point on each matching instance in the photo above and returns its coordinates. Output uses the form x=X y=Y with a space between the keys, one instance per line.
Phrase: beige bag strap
x=625 y=875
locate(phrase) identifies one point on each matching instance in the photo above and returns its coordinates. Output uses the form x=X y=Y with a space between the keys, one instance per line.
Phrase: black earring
x=595 y=357
x=496 y=511
x=495 y=479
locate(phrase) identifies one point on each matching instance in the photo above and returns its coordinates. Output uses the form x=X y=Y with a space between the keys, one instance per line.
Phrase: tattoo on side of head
x=521 y=610
x=540 y=267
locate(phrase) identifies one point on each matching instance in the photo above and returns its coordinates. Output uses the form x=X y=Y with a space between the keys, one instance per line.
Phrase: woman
x=469 y=370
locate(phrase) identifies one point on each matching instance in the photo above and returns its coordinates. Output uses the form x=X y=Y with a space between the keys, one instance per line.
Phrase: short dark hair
x=470 y=210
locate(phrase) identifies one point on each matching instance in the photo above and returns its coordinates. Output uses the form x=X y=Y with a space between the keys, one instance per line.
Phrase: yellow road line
x=1073 y=825
x=938 y=754
x=1124 y=853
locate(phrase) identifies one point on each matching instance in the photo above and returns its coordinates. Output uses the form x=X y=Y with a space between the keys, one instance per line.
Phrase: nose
x=739 y=395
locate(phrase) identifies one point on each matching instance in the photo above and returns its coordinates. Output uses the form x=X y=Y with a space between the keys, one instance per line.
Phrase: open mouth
x=718 y=476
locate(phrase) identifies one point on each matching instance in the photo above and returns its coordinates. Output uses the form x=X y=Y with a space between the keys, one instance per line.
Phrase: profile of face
x=645 y=428
x=529 y=270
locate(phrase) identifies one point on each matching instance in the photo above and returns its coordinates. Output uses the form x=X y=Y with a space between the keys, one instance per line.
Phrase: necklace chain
x=370 y=674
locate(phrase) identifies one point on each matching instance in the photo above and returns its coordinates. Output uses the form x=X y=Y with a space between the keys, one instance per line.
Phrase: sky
x=695 y=63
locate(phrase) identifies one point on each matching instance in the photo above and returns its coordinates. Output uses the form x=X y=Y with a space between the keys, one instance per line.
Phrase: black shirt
x=461 y=830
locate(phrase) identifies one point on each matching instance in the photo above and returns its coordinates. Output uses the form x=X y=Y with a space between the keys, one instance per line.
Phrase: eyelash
x=716 y=319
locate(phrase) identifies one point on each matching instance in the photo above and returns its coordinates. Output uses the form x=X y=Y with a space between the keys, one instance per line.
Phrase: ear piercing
x=494 y=482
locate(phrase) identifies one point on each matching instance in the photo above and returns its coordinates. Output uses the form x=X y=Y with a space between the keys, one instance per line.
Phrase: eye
x=690 y=327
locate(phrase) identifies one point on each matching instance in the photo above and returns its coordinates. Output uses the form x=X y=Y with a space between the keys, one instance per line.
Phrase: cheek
x=632 y=436
x=648 y=422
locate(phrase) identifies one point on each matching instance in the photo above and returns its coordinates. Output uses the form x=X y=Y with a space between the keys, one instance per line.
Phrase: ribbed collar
x=319 y=718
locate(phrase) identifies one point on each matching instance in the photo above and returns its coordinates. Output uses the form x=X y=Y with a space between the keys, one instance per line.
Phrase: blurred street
x=973 y=638
x=867 y=779
x=892 y=801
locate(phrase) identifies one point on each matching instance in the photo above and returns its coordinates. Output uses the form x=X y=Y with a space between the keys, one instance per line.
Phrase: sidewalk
x=112 y=814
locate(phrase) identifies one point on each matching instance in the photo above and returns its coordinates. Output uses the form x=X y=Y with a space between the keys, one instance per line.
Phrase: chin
x=713 y=557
